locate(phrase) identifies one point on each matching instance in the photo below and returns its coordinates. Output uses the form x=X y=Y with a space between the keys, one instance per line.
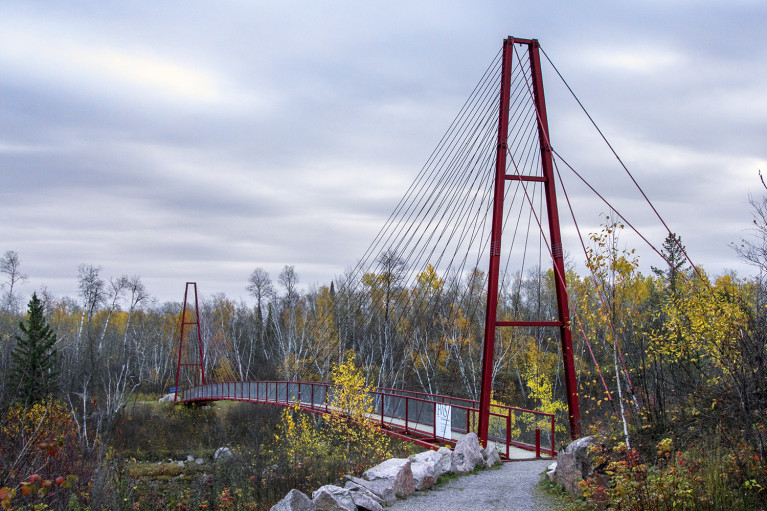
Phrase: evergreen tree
x=674 y=253
x=33 y=361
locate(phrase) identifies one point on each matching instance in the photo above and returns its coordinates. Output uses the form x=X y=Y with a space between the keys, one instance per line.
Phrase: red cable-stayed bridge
x=426 y=419
x=486 y=198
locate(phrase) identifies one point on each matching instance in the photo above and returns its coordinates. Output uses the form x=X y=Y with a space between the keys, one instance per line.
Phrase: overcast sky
x=195 y=141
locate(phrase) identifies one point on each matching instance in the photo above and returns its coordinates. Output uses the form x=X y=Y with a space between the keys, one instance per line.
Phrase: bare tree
x=392 y=272
x=260 y=286
x=10 y=264
x=116 y=289
x=754 y=249
x=91 y=288
x=289 y=280
x=138 y=296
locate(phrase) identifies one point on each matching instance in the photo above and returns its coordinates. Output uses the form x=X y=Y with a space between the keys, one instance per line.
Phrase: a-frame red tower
x=535 y=86
x=190 y=356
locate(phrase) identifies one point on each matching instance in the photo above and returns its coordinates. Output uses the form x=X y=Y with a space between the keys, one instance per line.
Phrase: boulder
x=167 y=398
x=190 y=458
x=396 y=472
x=380 y=488
x=180 y=463
x=467 y=454
x=199 y=461
x=574 y=464
x=491 y=456
x=423 y=475
x=441 y=460
x=222 y=453
x=363 y=498
x=333 y=498
x=294 y=501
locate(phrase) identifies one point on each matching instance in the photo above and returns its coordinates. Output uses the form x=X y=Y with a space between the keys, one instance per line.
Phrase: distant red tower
x=189 y=354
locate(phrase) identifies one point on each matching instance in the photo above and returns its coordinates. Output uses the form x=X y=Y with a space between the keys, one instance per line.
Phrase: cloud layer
x=195 y=141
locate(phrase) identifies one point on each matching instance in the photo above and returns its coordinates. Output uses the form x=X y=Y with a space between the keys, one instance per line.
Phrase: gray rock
x=294 y=501
x=190 y=458
x=364 y=503
x=199 y=461
x=180 y=463
x=551 y=471
x=222 y=453
x=333 y=498
x=364 y=498
x=491 y=456
x=358 y=488
x=441 y=460
x=380 y=488
x=167 y=398
x=397 y=472
x=574 y=465
x=423 y=475
x=467 y=454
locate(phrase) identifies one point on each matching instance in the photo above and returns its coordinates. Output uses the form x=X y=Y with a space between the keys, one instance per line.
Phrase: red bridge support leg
x=491 y=323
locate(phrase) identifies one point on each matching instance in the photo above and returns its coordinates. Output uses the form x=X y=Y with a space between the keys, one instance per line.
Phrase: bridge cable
x=677 y=241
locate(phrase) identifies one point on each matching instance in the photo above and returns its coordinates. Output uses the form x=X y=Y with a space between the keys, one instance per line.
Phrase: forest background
x=672 y=368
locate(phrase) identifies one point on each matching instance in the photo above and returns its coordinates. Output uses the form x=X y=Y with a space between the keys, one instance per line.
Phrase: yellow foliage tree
x=299 y=438
x=351 y=426
x=537 y=369
x=348 y=435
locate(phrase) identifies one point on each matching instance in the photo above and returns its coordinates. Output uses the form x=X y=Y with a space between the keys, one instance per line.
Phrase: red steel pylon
x=190 y=324
x=547 y=178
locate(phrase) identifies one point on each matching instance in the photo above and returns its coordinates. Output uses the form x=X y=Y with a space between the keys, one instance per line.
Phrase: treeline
x=114 y=338
x=670 y=354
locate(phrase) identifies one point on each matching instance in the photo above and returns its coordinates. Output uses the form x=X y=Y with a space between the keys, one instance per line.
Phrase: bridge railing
x=430 y=417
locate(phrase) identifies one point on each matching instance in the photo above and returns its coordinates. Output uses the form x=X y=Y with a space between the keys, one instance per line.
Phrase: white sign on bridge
x=443 y=421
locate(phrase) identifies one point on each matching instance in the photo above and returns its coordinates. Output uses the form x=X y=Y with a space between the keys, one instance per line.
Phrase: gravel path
x=510 y=488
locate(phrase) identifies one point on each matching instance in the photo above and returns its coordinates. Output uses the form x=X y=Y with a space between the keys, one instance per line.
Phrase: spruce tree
x=33 y=371
x=674 y=253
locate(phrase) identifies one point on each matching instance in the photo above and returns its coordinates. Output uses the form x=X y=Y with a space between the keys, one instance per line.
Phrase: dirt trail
x=510 y=488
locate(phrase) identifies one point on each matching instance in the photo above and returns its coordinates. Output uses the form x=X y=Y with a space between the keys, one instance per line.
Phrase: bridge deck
x=426 y=419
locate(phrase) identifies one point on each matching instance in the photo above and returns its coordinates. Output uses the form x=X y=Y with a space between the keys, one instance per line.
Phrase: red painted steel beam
x=199 y=334
x=181 y=342
x=560 y=286
x=528 y=323
x=515 y=177
x=488 y=349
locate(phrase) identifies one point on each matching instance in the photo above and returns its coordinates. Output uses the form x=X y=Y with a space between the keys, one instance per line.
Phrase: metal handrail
x=388 y=404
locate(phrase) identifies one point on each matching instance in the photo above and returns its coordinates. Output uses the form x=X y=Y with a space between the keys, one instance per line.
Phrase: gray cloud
x=194 y=141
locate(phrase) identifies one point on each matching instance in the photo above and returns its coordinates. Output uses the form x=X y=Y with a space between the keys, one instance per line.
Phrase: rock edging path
x=383 y=484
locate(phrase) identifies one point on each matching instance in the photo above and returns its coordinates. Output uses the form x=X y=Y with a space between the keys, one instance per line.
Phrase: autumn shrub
x=669 y=479
x=319 y=450
x=41 y=460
